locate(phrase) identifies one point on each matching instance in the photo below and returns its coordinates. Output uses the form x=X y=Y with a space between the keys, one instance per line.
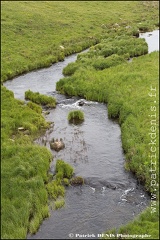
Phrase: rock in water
x=77 y=181
x=81 y=103
x=57 y=145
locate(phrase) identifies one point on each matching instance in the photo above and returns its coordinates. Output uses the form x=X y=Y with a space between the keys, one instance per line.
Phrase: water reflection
x=152 y=39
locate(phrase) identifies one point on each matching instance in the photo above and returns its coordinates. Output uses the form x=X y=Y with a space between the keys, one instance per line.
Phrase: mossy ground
x=31 y=35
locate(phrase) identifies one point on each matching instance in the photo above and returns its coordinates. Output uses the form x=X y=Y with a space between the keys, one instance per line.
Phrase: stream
x=110 y=196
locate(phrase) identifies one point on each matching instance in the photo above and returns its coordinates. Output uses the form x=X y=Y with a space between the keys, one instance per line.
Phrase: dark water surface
x=110 y=196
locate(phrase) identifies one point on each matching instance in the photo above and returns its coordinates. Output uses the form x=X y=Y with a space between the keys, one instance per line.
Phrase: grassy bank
x=32 y=32
x=130 y=90
x=24 y=168
x=144 y=226
x=40 y=99
x=34 y=35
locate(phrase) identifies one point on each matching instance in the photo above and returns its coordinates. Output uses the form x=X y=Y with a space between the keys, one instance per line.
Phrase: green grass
x=64 y=169
x=41 y=99
x=32 y=32
x=66 y=181
x=24 y=169
x=59 y=204
x=75 y=116
x=131 y=92
x=125 y=88
x=55 y=187
x=111 y=51
x=31 y=35
x=35 y=107
x=143 y=225
x=15 y=114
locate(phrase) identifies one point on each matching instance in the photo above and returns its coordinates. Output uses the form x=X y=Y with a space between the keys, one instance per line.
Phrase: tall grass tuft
x=76 y=116
x=42 y=99
x=55 y=188
x=59 y=203
x=64 y=168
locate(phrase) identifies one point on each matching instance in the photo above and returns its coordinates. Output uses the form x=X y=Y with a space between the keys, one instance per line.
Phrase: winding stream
x=110 y=196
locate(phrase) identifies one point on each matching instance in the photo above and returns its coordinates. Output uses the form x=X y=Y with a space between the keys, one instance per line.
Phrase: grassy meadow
x=24 y=168
x=32 y=32
x=35 y=34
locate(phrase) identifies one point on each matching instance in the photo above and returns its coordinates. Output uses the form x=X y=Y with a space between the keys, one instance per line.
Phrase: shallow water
x=110 y=196
x=152 y=39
